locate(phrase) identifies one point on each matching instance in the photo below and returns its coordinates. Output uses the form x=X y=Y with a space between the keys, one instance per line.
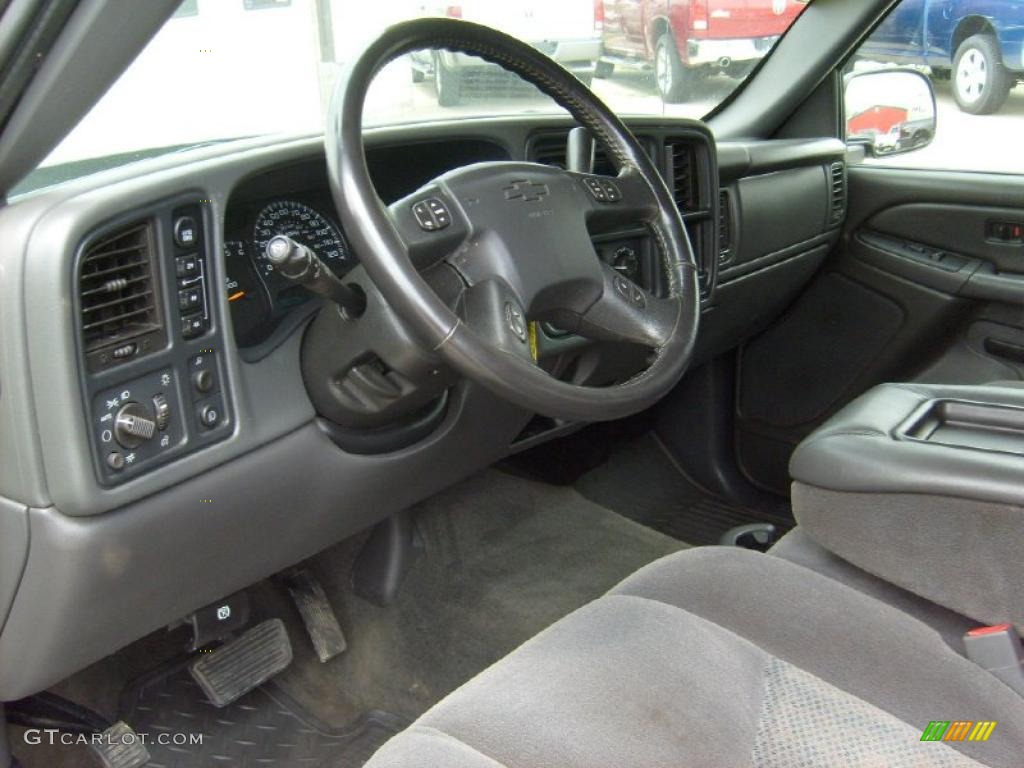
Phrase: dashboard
x=212 y=344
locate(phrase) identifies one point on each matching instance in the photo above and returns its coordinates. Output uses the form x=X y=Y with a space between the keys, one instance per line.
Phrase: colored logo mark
x=958 y=730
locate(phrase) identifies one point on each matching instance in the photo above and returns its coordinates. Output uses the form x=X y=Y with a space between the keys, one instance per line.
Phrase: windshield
x=224 y=69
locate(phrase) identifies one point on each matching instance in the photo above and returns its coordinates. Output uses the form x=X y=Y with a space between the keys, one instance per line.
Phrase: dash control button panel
x=191 y=272
x=137 y=423
x=209 y=410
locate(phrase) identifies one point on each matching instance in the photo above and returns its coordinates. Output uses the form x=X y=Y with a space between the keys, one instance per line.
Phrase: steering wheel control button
x=629 y=291
x=611 y=191
x=515 y=320
x=431 y=214
x=115 y=460
x=603 y=190
x=186 y=233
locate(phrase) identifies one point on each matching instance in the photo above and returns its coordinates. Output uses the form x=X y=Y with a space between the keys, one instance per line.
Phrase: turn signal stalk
x=300 y=265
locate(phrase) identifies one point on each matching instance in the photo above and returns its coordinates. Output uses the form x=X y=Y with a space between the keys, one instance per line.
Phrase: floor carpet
x=641 y=482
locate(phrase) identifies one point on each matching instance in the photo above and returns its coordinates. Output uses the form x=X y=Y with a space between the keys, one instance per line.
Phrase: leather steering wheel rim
x=617 y=310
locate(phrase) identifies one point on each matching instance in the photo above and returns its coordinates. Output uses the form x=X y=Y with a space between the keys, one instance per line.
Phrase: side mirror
x=890 y=111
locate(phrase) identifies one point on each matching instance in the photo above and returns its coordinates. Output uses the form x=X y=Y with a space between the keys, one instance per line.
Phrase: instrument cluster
x=258 y=296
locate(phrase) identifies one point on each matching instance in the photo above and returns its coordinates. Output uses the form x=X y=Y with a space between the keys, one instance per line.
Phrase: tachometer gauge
x=247 y=297
x=303 y=225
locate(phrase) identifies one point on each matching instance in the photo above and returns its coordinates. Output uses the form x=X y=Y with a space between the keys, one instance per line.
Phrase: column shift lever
x=301 y=265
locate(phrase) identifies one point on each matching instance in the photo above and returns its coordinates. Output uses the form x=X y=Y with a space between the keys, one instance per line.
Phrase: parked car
x=684 y=40
x=979 y=44
x=569 y=31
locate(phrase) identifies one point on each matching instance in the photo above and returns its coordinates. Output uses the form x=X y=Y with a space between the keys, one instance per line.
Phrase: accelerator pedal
x=317 y=614
x=120 y=747
x=242 y=664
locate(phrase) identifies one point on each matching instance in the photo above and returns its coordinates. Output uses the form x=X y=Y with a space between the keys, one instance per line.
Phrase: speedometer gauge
x=303 y=225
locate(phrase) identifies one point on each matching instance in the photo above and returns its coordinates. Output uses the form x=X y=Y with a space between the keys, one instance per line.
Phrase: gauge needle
x=236 y=296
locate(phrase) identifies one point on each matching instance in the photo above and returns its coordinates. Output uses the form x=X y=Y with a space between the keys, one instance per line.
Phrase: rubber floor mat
x=263 y=729
x=640 y=482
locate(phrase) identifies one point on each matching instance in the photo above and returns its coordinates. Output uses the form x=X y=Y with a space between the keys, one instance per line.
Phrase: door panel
x=918 y=290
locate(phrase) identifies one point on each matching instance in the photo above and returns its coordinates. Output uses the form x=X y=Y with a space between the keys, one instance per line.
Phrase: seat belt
x=999 y=650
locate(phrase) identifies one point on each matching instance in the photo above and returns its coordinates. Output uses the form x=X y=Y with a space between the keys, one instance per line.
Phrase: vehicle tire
x=670 y=76
x=981 y=83
x=448 y=83
x=418 y=76
x=604 y=69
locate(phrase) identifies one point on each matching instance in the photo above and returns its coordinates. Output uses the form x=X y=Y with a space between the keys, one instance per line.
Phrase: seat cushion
x=720 y=657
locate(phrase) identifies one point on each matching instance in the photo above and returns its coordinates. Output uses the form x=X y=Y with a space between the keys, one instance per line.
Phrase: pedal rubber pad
x=317 y=614
x=244 y=663
x=120 y=747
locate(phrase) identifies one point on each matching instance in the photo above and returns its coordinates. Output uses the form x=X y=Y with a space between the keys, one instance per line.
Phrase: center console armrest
x=923 y=486
x=960 y=441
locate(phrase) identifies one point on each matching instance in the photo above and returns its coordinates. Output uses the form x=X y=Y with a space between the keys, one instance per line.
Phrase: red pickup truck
x=685 y=40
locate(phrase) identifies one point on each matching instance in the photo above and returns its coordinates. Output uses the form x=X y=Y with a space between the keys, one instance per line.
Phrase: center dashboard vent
x=117 y=291
x=683 y=172
x=837 y=192
x=550 y=149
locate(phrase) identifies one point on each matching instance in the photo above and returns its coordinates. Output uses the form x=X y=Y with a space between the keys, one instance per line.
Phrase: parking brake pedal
x=237 y=667
x=318 y=616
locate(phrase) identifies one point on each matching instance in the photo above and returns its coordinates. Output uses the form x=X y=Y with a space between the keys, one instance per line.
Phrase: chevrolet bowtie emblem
x=527 y=191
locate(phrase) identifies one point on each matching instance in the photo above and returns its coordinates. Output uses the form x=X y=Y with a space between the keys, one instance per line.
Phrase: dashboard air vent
x=116 y=288
x=550 y=149
x=837 y=191
x=724 y=227
x=683 y=162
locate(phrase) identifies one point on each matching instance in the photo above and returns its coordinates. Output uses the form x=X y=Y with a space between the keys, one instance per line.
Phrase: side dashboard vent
x=550 y=149
x=724 y=227
x=837 y=192
x=117 y=290
x=683 y=174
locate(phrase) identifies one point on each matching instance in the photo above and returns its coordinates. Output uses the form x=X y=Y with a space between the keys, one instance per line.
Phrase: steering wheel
x=517 y=236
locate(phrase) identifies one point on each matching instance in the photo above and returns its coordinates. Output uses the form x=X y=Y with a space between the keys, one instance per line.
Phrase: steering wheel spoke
x=625 y=312
x=495 y=313
x=626 y=200
x=430 y=224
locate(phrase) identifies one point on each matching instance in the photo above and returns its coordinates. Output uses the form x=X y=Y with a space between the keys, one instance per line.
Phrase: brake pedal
x=120 y=747
x=317 y=614
x=245 y=663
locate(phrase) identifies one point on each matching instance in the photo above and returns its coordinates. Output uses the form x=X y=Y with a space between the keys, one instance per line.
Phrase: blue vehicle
x=979 y=44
